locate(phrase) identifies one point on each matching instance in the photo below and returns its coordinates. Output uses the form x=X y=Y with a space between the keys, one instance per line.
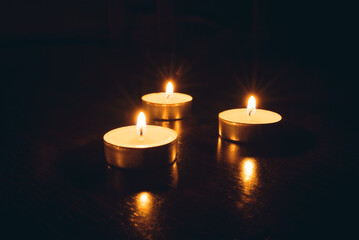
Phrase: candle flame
x=251 y=106
x=169 y=90
x=141 y=125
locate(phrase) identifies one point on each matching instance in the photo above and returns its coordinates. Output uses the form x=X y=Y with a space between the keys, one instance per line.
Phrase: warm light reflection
x=229 y=152
x=248 y=169
x=144 y=202
x=141 y=125
x=175 y=125
x=251 y=106
x=245 y=169
x=143 y=215
x=178 y=126
x=248 y=174
x=169 y=90
x=219 y=149
x=174 y=175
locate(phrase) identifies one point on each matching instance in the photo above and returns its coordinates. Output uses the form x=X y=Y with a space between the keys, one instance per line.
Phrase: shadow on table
x=86 y=168
x=129 y=181
x=83 y=166
x=289 y=141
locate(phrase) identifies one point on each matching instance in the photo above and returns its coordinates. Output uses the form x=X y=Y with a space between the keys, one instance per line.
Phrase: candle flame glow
x=251 y=106
x=141 y=125
x=169 y=90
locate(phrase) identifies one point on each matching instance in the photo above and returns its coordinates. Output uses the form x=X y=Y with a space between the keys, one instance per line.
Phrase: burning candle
x=140 y=146
x=167 y=105
x=246 y=124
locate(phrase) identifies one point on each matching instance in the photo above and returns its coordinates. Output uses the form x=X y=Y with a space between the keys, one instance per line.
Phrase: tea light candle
x=246 y=124
x=167 y=105
x=141 y=146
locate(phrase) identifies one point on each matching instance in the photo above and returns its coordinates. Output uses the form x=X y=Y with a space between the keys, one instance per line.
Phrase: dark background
x=73 y=70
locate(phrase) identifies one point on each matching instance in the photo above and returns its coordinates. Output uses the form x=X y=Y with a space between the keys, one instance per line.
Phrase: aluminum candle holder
x=167 y=111
x=167 y=105
x=247 y=124
x=141 y=146
x=140 y=158
x=241 y=132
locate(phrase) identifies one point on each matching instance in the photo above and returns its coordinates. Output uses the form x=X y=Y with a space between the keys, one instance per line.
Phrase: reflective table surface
x=300 y=184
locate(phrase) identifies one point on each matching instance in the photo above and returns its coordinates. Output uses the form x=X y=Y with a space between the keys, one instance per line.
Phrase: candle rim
x=249 y=123
x=140 y=146
x=166 y=104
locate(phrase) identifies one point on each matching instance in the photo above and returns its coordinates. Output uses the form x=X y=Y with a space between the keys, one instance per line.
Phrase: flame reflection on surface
x=143 y=215
x=244 y=169
x=144 y=200
x=248 y=174
x=175 y=125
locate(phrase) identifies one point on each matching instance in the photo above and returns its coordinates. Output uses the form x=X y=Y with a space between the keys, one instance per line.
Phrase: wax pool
x=162 y=106
x=127 y=137
x=260 y=116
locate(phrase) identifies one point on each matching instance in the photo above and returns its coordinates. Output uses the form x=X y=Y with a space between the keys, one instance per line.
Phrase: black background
x=73 y=70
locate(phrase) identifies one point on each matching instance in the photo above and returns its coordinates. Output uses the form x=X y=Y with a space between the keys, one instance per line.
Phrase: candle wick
x=141 y=134
x=168 y=96
x=250 y=112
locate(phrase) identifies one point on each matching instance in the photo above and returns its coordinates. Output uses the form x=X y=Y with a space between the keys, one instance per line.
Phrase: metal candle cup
x=167 y=110
x=167 y=105
x=155 y=147
x=236 y=125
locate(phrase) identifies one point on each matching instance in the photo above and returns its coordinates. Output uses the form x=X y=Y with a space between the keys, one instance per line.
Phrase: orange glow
x=174 y=175
x=169 y=90
x=175 y=125
x=141 y=125
x=219 y=149
x=144 y=214
x=248 y=169
x=144 y=200
x=249 y=174
x=251 y=106
x=229 y=152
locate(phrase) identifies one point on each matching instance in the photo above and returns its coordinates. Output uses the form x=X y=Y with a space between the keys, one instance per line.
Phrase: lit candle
x=167 y=105
x=246 y=124
x=140 y=146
